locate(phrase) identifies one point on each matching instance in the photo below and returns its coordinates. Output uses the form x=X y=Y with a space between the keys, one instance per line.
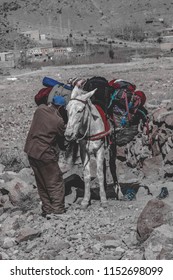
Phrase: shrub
x=131 y=32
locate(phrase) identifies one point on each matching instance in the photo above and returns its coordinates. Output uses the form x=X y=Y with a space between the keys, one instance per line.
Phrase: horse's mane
x=72 y=151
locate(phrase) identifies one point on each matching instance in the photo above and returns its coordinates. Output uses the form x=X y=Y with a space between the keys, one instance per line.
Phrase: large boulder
x=154 y=214
x=21 y=194
x=169 y=120
x=27 y=175
x=18 y=191
x=158 y=113
x=159 y=246
x=152 y=166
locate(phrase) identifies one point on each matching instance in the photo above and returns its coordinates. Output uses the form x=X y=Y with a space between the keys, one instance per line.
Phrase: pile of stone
x=153 y=153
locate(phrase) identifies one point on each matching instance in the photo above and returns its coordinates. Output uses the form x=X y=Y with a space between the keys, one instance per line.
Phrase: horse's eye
x=80 y=111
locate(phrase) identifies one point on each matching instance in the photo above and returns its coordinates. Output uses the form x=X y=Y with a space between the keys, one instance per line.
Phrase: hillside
x=55 y=18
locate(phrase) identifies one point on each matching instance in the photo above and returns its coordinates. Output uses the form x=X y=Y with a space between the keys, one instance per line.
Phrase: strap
x=99 y=135
x=112 y=97
x=107 y=130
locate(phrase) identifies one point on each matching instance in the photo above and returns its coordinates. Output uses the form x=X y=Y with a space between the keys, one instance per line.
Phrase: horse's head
x=77 y=112
x=76 y=92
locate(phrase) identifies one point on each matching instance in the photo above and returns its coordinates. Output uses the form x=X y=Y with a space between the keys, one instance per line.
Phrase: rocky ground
x=139 y=229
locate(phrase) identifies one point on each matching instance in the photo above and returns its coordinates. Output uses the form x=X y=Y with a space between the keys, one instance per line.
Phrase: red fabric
x=112 y=83
x=142 y=96
x=104 y=118
x=117 y=84
x=42 y=95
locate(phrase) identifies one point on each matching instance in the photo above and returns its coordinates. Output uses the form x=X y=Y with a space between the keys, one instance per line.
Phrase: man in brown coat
x=41 y=147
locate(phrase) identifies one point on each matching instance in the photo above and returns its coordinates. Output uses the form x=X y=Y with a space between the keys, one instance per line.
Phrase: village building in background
x=69 y=46
x=32 y=34
x=7 y=59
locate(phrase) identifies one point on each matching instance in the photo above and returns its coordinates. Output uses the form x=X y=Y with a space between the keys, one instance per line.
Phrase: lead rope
x=88 y=127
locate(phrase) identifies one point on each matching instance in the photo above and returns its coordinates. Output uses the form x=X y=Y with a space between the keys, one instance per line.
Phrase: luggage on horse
x=127 y=105
x=103 y=92
x=122 y=102
x=51 y=89
x=127 y=101
x=49 y=82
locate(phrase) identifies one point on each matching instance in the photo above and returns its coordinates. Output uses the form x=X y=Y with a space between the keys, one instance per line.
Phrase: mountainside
x=82 y=15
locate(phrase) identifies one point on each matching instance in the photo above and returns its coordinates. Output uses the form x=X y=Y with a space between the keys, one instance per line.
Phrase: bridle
x=97 y=136
x=85 y=102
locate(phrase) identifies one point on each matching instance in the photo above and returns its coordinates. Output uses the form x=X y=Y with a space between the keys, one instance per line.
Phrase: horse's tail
x=72 y=151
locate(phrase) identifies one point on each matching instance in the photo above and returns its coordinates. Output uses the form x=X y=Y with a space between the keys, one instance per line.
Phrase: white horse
x=85 y=125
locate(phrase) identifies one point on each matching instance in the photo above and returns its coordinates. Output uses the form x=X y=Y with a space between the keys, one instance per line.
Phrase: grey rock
x=159 y=246
x=11 y=233
x=155 y=214
x=2 y=167
x=7 y=176
x=3 y=217
x=170 y=142
x=111 y=244
x=169 y=157
x=151 y=166
x=27 y=234
x=22 y=195
x=158 y=113
x=8 y=243
x=30 y=247
x=169 y=120
x=26 y=175
x=133 y=255
x=97 y=248
x=1 y=211
x=168 y=170
x=10 y=223
x=104 y=237
x=57 y=245
x=61 y=258
x=4 y=256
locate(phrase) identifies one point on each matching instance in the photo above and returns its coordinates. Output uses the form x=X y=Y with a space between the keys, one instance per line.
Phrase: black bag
x=102 y=94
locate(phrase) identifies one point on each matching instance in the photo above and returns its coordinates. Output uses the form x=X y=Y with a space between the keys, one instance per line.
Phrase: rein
x=96 y=136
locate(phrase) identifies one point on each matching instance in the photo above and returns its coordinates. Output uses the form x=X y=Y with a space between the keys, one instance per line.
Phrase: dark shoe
x=54 y=216
x=130 y=195
x=43 y=214
x=49 y=216
x=163 y=194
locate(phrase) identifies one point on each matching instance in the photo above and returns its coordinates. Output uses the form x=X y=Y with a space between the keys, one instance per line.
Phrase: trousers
x=50 y=185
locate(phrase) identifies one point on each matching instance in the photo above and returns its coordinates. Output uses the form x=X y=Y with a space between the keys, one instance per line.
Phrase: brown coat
x=46 y=126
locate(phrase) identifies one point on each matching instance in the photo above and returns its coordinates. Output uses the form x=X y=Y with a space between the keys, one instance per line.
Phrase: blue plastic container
x=49 y=82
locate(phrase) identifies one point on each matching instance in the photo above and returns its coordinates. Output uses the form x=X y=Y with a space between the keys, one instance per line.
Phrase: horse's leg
x=86 y=172
x=112 y=164
x=100 y=156
x=104 y=173
x=87 y=180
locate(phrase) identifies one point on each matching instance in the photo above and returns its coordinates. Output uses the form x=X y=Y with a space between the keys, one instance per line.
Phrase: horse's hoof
x=84 y=205
x=120 y=197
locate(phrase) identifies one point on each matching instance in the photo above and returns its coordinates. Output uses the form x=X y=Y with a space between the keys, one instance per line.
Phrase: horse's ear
x=90 y=94
x=75 y=92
